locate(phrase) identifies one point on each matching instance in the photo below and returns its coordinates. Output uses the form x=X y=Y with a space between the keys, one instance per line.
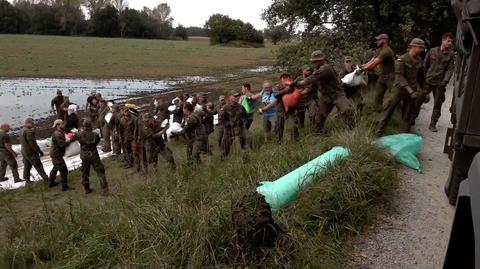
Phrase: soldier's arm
x=400 y=79
x=371 y=64
x=449 y=71
x=32 y=141
x=426 y=63
x=60 y=139
x=52 y=104
x=8 y=146
x=421 y=79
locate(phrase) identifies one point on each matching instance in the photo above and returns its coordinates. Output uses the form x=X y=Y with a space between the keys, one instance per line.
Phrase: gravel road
x=416 y=234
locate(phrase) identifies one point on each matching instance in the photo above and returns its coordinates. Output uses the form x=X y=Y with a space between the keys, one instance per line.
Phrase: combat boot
x=87 y=188
x=433 y=126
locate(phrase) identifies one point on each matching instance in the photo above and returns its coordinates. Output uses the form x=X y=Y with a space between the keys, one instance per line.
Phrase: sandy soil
x=416 y=234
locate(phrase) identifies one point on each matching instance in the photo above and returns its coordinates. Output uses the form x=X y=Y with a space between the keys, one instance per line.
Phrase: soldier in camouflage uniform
x=114 y=127
x=194 y=130
x=56 y=104
x=221 y=122
x=7 y=155
x=233 y=116
x=309 y=100
x=31 y=152
x=439 y=65
x=139 y=151
x=408 y=86
x=331 y=92
x=57 y=151
x=385 y=59
x=154 y=143
x=89 y=141
x=127 y=130
x=352 y=93
x=282 y=115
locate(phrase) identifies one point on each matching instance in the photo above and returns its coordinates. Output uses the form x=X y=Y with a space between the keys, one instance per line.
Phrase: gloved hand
x=416 y=95
x=41 y=154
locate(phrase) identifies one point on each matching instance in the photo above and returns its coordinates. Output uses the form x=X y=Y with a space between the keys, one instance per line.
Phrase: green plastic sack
x=284 y=190
x=404 y=147
x=246 y=105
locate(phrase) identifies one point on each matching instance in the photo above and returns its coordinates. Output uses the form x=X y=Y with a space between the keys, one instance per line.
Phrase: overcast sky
x=196 y=12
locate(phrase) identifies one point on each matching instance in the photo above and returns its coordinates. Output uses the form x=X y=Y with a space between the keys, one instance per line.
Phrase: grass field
x=56 y=56
x=182 y=218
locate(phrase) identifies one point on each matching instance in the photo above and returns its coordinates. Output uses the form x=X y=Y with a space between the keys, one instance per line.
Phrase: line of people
x=141 y=136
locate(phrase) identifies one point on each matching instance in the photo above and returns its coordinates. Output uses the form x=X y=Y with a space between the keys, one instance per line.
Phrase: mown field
x=183 y=218
x=57 y=56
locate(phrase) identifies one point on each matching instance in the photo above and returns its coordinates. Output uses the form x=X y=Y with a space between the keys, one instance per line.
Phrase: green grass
x=182 y=219
x=57 y=56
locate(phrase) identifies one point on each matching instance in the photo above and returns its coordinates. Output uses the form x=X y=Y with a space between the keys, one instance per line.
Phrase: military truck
x=463 y=139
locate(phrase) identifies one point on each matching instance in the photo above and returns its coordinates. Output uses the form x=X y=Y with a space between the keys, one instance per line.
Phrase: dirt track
x=416 y=234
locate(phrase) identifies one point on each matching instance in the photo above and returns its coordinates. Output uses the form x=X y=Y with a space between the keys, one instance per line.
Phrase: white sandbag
x=43 y=143
x=172 y=108
x=164 y=123
x=355 y=78
x=198 y=108
x=174 y=128
x=17 y=149
x=72 y=109
x=108 y=117
x=215 y=119
x=72 y=149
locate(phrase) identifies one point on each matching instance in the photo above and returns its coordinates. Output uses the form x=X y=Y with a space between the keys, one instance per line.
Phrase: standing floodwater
x=31 y=97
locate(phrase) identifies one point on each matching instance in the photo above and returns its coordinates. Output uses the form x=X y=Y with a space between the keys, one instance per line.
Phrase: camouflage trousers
x=195 y=147
x=7 y=159
x=384 y=84
x=59 y=165
x=92 y=160
x=326 y=105
x=408 y=112
x=33 y=160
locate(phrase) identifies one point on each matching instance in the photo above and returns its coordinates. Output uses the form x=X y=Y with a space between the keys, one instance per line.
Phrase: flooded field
x=31 y=97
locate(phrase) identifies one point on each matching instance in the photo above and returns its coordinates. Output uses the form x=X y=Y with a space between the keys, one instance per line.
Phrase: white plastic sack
x=174 y=128
x=172 y=108
x=17 y=149
x=354 y=78
x=72 y=109
x=43 y=143
x=72 y=149
x=198 y=108
x=108 y=117
x=164 y=123
x=215 y=119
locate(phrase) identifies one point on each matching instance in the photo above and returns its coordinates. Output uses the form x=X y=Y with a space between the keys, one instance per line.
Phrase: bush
x=222 y=29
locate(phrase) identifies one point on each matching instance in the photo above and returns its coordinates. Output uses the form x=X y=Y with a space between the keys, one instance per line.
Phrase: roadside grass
x=58 y=56
x=182 y=218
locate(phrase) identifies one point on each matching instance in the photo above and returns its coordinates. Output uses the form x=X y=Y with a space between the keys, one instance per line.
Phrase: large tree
x=104 y=22
x=9 y=19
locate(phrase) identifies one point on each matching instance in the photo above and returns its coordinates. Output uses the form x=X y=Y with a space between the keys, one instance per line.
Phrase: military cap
x=235 y=93
x=317 y=56
x=348 y=59
x=57 y=122
x=382 y=36
x=221 y=98
x=307 y=68
x=417 y=42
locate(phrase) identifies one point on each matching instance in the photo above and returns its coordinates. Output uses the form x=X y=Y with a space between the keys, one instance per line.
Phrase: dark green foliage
x=276 y=33
x=180 y=32
x=9 y=19
x=132 y=24
x=104 y=22
x=222 y=30
x=196 y=31
x=350 y=23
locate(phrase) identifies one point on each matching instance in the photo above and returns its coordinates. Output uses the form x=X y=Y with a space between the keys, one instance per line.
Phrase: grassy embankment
x=182 y=219
x=57 y=56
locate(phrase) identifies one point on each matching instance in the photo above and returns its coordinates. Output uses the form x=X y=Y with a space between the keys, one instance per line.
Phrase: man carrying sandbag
x=352 y=92
x=57 y=151
x=385 y=59
x=331 y=92
x=31 y=152
x=408 y=87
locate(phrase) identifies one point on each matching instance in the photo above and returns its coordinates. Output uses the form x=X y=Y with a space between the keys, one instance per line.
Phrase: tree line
x=106 y=18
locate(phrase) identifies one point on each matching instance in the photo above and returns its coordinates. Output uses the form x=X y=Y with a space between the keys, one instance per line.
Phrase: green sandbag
x=284 y=190
x=246 y=105
x=404 y=147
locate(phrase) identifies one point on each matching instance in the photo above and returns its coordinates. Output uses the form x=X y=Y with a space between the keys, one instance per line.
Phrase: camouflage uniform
x=386 y=75
x=127 y=130
x=57 y=102
x=31 y=154
x=63 y=111
x=154 y=144
x=310 y=104
x=162 y=112
x=6 y=158
x=89 y=155
x=408 y=72
x=221 y=124
x=196 y=136
x=353 y=93
x=331 y=95
x=105 y=130
x=233 y=118
x=139 y=150
x=57 y=151
x=439 y=67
